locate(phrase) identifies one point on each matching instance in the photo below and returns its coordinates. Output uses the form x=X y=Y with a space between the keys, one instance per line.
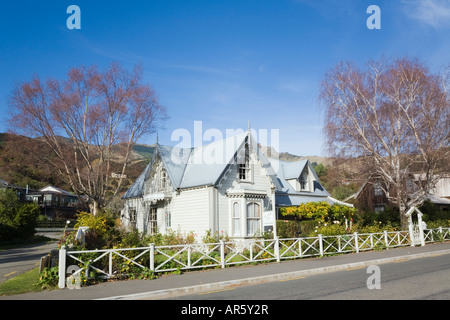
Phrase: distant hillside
x=144 y=150
x=286 y=156
x=27 y=161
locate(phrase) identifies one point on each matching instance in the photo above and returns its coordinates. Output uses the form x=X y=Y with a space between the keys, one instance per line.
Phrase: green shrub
x=48 y=278
x=17 y=220
x=330 y=230
x=288 y=229
x=307 y=227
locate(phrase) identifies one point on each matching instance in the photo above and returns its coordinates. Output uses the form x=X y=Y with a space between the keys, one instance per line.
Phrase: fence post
x=152 y=256
x=386 y=239
x=189 y=256
x=62 y=267
x=277 y=248
x=442 y=234
x=321 y=245
x=110 y=263
x=222 y=253
x=300 y=247
x=356 y=242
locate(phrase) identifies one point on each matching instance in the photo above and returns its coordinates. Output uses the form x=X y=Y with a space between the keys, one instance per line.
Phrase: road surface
x=19 y=260
x=424 y=278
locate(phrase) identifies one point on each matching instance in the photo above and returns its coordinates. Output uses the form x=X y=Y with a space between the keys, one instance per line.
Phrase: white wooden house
x=227 y=186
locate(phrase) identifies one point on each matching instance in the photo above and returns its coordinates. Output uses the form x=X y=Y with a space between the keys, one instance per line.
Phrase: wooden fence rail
x=111 y=263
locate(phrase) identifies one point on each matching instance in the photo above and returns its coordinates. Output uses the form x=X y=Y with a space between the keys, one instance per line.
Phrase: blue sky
x=222 y=62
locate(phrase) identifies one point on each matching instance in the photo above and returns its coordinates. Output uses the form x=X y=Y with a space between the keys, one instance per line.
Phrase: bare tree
x=91 y=121
x=394 y=114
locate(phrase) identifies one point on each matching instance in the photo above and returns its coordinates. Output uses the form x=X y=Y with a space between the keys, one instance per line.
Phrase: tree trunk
x=94 y=206
x=403 y=218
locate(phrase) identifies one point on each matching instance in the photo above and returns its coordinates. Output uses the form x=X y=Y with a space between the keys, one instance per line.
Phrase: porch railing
x=114 y=263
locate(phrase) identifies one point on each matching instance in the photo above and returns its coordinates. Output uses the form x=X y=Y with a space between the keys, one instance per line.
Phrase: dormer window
x=303 y=182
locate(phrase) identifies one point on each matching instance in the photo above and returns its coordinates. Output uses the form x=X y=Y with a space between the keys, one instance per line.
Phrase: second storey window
x=163 y=179
x=244 y=171
x=244 y=166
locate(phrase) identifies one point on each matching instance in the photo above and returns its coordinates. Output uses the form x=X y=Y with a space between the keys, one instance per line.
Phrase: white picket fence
x=111 y=263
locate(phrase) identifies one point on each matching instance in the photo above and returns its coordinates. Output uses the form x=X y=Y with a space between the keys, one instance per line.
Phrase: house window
x=47 y=200
x=132 y=216
x=244 y=168
x=163 y=179
x=236 y=219
x=377 y=190
x=168 y=219
x=152 y=220
x=304 y=180
x=253 y=218
x=243 y=171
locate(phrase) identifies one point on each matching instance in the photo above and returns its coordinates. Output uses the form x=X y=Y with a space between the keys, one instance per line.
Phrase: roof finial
x=157 y=138
x=248 y=124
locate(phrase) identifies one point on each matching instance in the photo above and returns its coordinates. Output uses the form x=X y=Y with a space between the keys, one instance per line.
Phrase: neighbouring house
x=20 y=191
x=440 y=194
x=371 y=195
x=228 y=186
x=56 y=202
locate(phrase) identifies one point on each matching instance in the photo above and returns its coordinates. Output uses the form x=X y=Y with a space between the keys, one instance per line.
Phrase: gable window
x=152 y=220
x=244 y=166
x=243 y=171
x=236 y=218
x=163 y=179
x=377 y=190
x=253 y=218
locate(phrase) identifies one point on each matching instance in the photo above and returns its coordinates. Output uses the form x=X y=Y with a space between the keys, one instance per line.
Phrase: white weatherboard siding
x=190 y=211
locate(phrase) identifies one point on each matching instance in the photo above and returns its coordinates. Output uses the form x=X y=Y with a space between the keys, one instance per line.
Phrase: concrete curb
x=167 y=293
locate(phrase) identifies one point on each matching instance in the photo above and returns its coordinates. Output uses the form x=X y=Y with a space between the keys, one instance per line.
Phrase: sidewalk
x=216 y=279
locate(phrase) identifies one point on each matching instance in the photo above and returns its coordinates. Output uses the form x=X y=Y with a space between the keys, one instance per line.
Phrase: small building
x=55 y=202
x=20 y=191
x=372 y=197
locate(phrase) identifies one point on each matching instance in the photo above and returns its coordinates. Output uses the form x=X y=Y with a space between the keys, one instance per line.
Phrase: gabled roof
x=292 y=170
x=206 y=165
x=56 y=190
x=192 y=167
x=137 y=188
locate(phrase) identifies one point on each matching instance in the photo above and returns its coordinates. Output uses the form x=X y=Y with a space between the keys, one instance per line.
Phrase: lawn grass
x=21 y=284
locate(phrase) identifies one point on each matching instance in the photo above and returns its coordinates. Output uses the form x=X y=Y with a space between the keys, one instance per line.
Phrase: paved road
x=423 y=278
x=19 y=260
